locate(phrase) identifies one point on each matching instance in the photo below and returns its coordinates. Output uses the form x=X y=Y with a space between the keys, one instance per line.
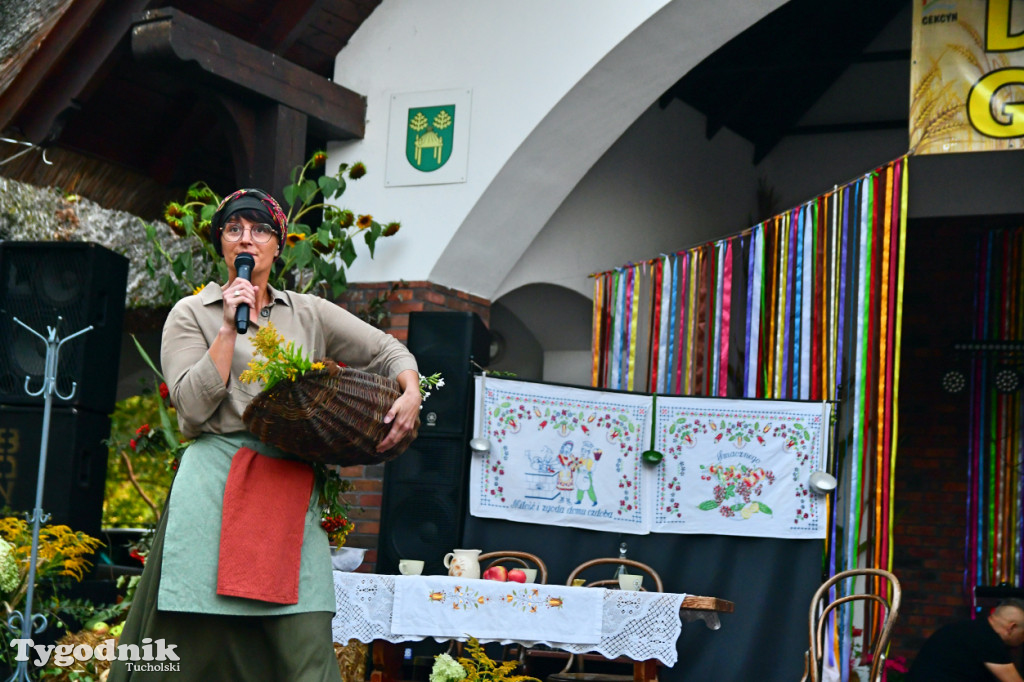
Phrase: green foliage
x=430 y=383
x=125 y=502
x=480 y=668
x=143 y=450
x=318 y=247
x=334 y=508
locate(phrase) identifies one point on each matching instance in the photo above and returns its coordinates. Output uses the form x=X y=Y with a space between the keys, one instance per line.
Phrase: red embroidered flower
x=132 y=443
x=165 y=393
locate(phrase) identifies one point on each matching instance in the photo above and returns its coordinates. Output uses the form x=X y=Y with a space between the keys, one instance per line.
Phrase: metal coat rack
x=26 y=620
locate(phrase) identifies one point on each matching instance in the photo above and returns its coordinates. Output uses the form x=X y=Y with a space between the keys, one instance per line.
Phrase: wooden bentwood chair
x=878 y=586
x=522 y=559
x=627 y=564
x=606 y=567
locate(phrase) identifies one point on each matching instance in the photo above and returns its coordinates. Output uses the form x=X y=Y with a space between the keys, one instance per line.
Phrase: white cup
x=531 y=574
x=410 y=566
x=630 y=582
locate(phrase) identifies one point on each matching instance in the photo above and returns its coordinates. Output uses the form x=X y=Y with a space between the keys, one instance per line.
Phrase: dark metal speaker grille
x=42 y=293
x=67 y=286
x=424 y=503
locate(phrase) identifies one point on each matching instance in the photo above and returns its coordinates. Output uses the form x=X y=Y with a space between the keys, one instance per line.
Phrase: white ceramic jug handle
x=448 y=560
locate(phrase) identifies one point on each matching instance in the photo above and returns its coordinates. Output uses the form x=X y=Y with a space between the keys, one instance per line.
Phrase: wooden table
x=387 y=655
x=693 y=607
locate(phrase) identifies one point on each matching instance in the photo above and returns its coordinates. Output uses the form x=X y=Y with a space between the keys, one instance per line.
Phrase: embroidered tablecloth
x=441 y=606
x=638 y=625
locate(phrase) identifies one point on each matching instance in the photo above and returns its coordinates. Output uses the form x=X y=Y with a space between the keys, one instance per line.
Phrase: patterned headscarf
x=255 y=199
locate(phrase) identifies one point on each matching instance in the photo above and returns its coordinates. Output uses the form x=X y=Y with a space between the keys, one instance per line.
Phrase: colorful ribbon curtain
x=995 y=518
x=804 y=306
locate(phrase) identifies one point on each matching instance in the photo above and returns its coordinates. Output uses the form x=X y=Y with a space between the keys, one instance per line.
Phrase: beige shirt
x=323 y=329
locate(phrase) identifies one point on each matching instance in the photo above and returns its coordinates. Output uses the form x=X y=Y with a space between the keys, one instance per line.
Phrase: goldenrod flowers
x=62 y=551
x=279 y=361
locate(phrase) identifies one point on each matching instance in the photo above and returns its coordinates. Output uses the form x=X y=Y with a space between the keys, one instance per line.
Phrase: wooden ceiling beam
x=54 y=45
x=285 y=24
x=41 y=119
x=169 y=39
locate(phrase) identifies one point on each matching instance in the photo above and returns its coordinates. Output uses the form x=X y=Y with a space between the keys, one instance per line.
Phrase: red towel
x=264 y=513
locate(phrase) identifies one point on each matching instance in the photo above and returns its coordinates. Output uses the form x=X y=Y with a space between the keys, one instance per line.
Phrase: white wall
x=568 y=367
x=661 y=187
x=554 y=86
x=519 y=59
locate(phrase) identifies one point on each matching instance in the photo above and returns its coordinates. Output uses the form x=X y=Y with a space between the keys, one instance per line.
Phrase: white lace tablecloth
x=638 y=625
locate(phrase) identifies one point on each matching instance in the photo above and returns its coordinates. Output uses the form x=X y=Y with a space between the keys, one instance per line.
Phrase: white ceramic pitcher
x=463 y=563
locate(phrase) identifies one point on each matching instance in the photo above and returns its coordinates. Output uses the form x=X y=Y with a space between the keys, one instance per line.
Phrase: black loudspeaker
x=81 y=283
x=76 y=464
x=449 y=343
x=424 y=500
x=423 y=504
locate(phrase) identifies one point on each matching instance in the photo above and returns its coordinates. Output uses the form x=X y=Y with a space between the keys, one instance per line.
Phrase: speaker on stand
x=67 y=286
x=424 y=500
x=76 y=465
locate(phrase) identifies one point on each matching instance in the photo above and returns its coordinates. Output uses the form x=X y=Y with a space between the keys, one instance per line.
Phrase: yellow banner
x=967 y=76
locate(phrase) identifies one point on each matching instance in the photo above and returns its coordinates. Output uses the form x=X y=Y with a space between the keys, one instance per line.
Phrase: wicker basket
x=333 y=415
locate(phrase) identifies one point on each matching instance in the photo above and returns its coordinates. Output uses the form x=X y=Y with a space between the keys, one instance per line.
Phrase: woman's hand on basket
x=405 y=411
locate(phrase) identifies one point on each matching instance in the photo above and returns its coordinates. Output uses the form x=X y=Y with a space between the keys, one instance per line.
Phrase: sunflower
x=391 y=229
x=347 y=218
x=319 y=159
x=364 y=221
x=357 y=170
x=173 y=216
x=294 y=238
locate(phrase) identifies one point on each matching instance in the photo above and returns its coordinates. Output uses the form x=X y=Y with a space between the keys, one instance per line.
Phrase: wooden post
x=280 y=145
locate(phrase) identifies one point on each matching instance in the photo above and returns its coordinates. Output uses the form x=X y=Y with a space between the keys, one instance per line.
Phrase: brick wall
x=931 y=467
x=392 y=305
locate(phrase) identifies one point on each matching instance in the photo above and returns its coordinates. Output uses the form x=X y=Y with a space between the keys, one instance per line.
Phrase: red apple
x=498 y=573
x=517 y=575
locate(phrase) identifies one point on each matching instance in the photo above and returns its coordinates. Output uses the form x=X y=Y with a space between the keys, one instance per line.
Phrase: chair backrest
x=638 y=567
x=880 y=587
x=524 y=559
x=603 y=565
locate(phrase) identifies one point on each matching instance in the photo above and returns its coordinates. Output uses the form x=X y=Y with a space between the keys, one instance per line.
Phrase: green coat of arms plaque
x=430 y=135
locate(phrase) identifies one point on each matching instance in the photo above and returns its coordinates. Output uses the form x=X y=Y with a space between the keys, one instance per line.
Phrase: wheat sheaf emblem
x=426 y=135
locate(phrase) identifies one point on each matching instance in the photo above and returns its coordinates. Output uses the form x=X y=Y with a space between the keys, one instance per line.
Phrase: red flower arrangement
x=333 y=507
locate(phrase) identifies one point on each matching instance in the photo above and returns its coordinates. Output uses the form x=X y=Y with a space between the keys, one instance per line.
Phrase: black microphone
x=244 y=263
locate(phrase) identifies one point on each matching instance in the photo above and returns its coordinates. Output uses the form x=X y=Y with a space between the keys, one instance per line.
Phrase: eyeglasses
x=260 y=232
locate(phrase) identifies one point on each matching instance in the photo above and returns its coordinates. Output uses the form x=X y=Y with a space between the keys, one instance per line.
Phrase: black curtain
x=771 y=582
